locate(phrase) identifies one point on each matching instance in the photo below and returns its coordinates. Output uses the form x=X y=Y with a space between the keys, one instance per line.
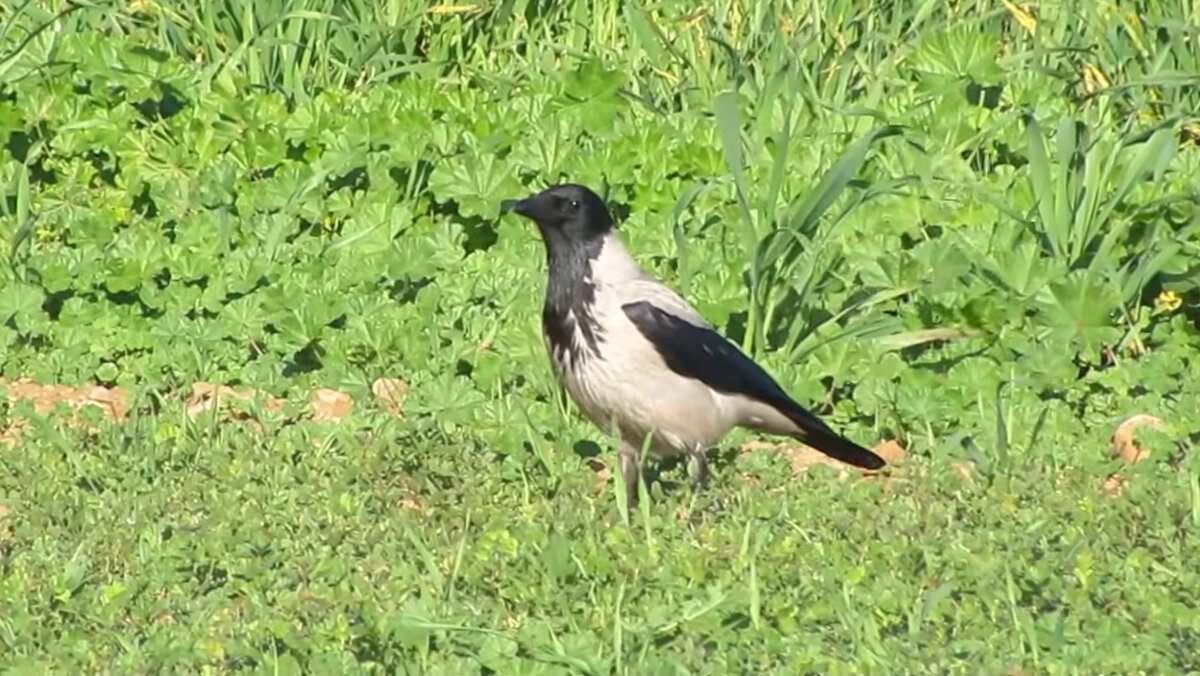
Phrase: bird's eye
x=574 y=204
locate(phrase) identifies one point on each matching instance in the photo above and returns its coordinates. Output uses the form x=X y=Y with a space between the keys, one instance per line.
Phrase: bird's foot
x=632 y=474
x=700 y=472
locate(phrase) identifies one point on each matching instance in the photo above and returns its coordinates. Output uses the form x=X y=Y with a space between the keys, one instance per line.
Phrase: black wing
x=703 y=354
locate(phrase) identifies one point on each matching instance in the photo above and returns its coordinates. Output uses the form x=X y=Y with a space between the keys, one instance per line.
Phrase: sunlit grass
x=968 y=227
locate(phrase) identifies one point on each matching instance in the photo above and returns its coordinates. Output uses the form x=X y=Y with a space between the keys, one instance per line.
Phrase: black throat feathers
x=568 y=315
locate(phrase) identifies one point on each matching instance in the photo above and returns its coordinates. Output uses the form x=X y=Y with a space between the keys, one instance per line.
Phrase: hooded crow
x=637 y=359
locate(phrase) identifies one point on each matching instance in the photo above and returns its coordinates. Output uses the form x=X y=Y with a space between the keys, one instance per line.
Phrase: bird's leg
x=700 y=474
x=631 y=471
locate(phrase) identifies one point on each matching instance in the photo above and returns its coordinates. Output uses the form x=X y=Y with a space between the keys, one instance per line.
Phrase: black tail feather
x=815 y=433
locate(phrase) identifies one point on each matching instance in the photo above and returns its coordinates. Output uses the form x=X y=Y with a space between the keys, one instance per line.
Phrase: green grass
x=970 y=226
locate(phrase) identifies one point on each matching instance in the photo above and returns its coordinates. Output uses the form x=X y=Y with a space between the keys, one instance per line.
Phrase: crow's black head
x=574 y=223
x=567 y=214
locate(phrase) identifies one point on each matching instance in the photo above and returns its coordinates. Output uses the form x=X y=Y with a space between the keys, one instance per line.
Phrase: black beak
x=518 y=206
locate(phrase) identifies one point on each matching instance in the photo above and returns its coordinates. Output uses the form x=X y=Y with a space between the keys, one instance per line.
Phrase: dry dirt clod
x=801 y=456
x=597 y=465
x=890 y=450
x=112 y=402
x=205 y=395
x=330 y=404
x=390 y=391
x=962 y=469
x=11 y=433
x=1114 y=484
x=1122 y=441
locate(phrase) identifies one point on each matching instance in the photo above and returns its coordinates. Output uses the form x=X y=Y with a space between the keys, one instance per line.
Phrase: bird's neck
x=570 y=269
x=568 y=318
x=574 y=270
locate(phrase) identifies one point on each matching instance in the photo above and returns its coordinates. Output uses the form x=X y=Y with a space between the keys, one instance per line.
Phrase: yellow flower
x=1167 y=301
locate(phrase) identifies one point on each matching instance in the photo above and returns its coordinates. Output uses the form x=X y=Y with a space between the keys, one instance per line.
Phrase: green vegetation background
x=971 y=226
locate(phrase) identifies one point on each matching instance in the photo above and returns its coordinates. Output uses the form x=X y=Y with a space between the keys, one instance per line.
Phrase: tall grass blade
x=806 y=218
x=1066 y=188
x=684 y=201
x=729 y=129
x=1039 y=182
